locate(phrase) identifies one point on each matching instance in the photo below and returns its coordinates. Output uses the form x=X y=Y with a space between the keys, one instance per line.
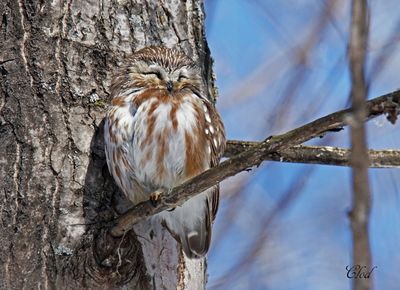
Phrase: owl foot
x=155 y=197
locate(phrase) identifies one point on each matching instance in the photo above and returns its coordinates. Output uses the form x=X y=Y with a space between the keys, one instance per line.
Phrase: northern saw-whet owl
x=160 y=131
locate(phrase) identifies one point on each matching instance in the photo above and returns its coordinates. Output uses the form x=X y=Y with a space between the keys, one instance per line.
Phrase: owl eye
x=182 y=77
x=156 y=73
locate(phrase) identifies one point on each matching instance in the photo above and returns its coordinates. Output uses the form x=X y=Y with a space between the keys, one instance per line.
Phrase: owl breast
x=169 y=143
x=161 y=130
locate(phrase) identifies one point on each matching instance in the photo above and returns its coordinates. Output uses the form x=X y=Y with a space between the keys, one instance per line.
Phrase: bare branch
x=324 y=155
x=359 y=216
x=253 y=156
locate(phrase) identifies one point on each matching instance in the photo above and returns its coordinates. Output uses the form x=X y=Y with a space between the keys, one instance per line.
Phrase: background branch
x=324 y=155
x=253 y=156
x=359 y=215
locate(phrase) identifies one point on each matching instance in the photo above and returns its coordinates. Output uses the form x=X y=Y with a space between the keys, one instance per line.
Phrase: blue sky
x=307 y=244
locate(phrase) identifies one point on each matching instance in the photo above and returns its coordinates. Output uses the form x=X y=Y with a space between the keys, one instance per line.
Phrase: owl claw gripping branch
x=155 y=197
x=160 y=131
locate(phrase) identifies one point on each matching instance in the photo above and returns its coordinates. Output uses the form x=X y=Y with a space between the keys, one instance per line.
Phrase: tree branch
x=324 y=155
x=359 y=216
x=253 y=156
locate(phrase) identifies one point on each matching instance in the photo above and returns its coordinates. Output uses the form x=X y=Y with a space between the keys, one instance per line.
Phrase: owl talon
x=155 y=197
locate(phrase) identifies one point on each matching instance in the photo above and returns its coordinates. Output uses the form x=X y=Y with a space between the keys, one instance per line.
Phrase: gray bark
x=56 y=61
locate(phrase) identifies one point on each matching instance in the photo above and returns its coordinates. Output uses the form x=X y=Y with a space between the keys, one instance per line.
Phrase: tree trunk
x=56 y=61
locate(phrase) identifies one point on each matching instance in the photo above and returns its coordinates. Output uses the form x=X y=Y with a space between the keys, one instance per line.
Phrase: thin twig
x=253 y=156
x=324 y=155
x=359 y=215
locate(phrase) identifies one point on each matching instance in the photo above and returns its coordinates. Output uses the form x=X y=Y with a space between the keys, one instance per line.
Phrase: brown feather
x=141 y=149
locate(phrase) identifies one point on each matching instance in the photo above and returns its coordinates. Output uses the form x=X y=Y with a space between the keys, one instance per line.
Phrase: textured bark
x=56 y=60
x=324 y=155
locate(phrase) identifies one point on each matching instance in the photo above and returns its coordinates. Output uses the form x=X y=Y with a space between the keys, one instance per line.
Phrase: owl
x=161 y=130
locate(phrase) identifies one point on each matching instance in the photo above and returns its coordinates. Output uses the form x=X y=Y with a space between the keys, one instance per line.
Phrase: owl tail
x=190 y=225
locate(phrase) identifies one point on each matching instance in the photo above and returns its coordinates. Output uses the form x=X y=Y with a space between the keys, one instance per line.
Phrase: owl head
x=162 y=68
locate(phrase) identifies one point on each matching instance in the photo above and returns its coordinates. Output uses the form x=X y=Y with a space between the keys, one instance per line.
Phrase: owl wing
x=191 y=223
x=118 y=134
x=216 y=138
x=199 y=244
x=217 y=143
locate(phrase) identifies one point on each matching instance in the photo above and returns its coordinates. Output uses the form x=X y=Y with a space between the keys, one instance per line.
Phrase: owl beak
x=170 y=86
